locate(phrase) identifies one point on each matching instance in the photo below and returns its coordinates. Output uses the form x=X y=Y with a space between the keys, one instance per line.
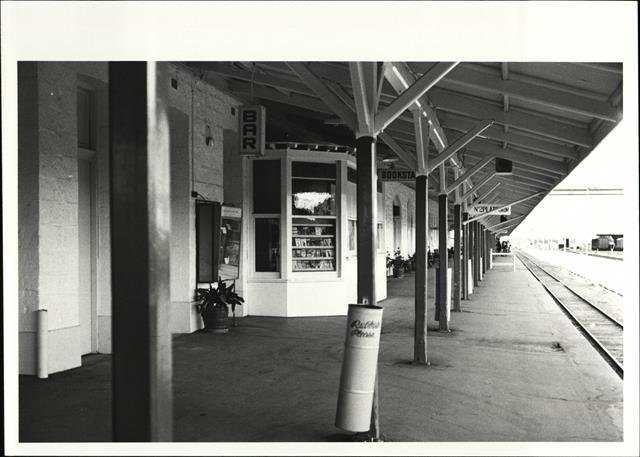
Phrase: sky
x=608 y=166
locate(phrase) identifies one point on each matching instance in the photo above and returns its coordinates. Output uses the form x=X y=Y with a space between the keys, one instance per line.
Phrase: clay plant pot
x=216 y=319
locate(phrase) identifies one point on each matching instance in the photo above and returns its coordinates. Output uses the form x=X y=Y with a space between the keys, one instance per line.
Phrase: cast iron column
x=140 y=235
x=476 y=254
x=443 y=234
x=465 y=258
x=367 y=206
x=457 y=226
x=420 y=326
x=366 y=245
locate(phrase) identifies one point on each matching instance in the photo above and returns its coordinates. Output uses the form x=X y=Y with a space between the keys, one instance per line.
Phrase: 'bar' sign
x=396 y=175
x=479 y=209
x=252 y=130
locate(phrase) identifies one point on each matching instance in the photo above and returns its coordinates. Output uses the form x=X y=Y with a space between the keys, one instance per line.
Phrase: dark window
x=267 y=244
x=204 y=241
x=396 y=211
x=266 y=187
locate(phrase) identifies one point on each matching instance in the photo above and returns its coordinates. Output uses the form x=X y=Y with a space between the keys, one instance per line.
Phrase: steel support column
x=465 y=258
x=366 y=245
x=443 y=261
x=140 y=235
x=420 y=326
x=476 y=253
x=483 y=247
x=367 y=206
x=457 y=283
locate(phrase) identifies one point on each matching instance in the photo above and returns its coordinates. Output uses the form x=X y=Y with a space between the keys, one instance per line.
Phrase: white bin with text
x=359 y=365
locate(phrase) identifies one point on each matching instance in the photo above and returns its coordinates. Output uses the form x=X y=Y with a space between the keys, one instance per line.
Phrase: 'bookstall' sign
x=396 y=175
x=252 y=130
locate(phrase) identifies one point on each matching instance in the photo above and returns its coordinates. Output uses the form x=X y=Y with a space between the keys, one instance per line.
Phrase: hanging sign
x=479 y=209
x=251 y=130
x=396 y=175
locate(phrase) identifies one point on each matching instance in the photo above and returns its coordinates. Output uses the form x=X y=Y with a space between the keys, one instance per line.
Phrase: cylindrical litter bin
x=358 y=376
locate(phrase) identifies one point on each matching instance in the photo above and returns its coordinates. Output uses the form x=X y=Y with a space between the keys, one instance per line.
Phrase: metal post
x=465 y=258
x=140 y=234
x=367 y=206
x=422 y=213
x=457 y=225
x=483 y=247
x=443 y=234
x=476 y=254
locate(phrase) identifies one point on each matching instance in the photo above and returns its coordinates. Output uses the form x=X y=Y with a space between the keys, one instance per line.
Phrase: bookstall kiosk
x=300 y=222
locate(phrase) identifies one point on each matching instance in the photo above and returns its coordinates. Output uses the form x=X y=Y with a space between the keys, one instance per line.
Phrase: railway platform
x=512 y=368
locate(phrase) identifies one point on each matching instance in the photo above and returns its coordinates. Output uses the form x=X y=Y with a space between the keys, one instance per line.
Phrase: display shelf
x=314 y=236
x=313 y=245
x=313 y=258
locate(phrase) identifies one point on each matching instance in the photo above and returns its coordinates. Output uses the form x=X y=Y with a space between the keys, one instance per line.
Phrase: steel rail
x=609 y=358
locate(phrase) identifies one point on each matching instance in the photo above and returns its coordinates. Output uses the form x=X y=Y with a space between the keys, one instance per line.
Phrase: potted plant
x=214 y=306
x=398 y=264
x=389 y=264
x=410 y=264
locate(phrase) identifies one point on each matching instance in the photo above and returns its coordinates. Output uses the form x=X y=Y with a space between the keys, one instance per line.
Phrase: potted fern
x=214 y=306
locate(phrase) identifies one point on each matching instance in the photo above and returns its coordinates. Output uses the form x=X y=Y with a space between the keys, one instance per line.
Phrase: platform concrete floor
x=513 y=368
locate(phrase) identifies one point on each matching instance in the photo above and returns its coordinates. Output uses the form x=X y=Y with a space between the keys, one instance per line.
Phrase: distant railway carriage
x=606 y=243
x=619 y=244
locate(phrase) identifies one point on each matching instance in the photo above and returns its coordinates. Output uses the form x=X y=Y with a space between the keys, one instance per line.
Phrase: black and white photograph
x=320 y=228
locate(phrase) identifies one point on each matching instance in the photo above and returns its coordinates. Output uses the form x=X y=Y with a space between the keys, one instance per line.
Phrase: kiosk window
x=267 y=243
x=266 y=187
x=313 y=194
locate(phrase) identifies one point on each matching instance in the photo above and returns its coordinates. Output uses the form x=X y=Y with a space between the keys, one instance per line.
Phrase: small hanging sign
x=251 y=130
x=479 y=209
x=396 y=175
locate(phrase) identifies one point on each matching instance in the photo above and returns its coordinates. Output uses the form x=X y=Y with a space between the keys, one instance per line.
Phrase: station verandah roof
x=545 y=117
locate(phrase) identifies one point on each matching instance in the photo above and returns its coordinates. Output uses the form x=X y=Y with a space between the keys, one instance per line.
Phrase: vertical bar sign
x=252 y=130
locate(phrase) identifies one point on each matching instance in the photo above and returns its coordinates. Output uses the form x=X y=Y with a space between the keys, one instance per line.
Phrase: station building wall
x=63 y=199
x=400 y=230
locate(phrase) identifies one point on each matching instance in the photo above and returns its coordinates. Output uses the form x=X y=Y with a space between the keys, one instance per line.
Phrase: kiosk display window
x=314 y=244
x=313 y=195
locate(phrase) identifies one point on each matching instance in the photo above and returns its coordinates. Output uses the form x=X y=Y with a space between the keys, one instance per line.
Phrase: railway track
x=603 y=331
